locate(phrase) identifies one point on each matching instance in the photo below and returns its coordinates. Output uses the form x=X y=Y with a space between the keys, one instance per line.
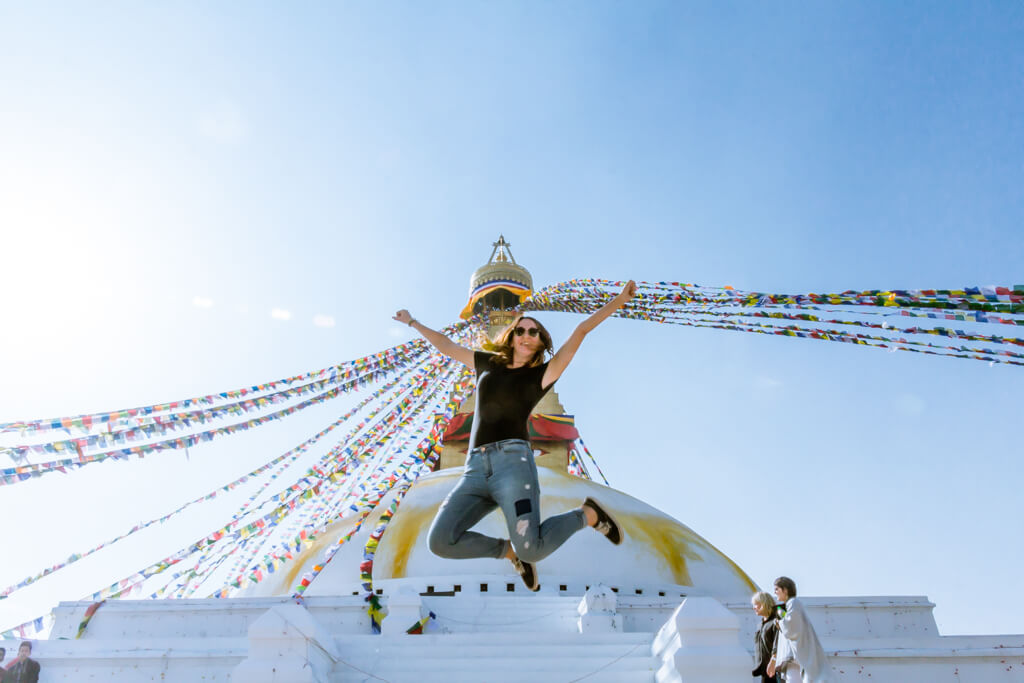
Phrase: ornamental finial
x=502 y=252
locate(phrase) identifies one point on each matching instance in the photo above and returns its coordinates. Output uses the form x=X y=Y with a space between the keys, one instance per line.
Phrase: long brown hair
x=504 y=352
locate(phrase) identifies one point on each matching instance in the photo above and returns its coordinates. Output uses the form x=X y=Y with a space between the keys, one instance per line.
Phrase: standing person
x=500 y=469
x=3 y=669
x=764 y=638
x=23 y=669
x=798 y=652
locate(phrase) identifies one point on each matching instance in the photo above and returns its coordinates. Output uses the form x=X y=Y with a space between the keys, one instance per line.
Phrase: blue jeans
x=500 y=474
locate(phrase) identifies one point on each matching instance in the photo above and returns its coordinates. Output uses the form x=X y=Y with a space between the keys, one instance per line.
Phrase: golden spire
x=502 y=252
x=501 y=284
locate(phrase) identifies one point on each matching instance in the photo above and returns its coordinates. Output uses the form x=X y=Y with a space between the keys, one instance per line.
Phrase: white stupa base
x=553 y=635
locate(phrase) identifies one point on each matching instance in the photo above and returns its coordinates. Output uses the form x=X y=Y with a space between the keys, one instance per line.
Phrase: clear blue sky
x=349 y=159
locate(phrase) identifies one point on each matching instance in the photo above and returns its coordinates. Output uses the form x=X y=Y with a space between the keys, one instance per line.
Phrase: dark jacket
x=23 y=672
x=764 y=643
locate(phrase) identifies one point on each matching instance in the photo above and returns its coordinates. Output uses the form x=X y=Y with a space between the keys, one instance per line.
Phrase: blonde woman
x=764 y=638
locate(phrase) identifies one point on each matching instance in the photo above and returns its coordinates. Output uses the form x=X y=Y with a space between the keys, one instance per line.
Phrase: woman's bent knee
x=440 y=542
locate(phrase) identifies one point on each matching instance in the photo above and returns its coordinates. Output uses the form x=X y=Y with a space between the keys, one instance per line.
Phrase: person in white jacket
x=798 y=655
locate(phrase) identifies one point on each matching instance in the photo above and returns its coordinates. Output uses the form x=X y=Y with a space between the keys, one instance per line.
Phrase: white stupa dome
x=657 y=553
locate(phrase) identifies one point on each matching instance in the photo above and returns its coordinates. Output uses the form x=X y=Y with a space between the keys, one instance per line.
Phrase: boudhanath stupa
x=666 y=605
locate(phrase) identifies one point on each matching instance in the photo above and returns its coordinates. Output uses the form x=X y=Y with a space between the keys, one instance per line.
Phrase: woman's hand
x=627 y=293
x=403 y=316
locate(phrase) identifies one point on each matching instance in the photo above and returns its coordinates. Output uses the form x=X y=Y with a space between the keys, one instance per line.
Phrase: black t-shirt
x=504 y=400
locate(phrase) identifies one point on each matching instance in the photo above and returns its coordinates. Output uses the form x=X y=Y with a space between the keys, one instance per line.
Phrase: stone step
x=611 y=660
x=525 y=668
x=471 y=640
x=494 y=677
x=529 y=656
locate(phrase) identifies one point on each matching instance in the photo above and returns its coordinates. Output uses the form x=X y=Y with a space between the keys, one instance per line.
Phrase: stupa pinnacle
x=498 y=286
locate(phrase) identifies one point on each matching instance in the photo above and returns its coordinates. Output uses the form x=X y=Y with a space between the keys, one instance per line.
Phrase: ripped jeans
x=500 y=474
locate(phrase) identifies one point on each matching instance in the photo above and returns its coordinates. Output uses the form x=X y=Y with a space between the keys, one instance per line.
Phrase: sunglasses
x=532 y=331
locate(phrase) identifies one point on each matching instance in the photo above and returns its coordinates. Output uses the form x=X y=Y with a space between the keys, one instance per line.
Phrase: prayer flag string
x=25 y=472
x=387 y=357
x=976 y=308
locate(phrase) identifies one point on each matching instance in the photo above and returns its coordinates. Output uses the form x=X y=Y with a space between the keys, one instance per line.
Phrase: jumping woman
x=500 y=470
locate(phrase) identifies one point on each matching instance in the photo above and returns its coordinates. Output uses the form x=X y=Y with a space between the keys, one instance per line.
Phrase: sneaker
x=527 y=572
x=606 y=524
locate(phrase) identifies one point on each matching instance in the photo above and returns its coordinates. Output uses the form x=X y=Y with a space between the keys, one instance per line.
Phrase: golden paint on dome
x=403 y=533
x=314 y=550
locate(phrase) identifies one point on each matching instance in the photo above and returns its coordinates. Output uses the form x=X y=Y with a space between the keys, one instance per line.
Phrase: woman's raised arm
x=560 y=362
x=440 y=342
